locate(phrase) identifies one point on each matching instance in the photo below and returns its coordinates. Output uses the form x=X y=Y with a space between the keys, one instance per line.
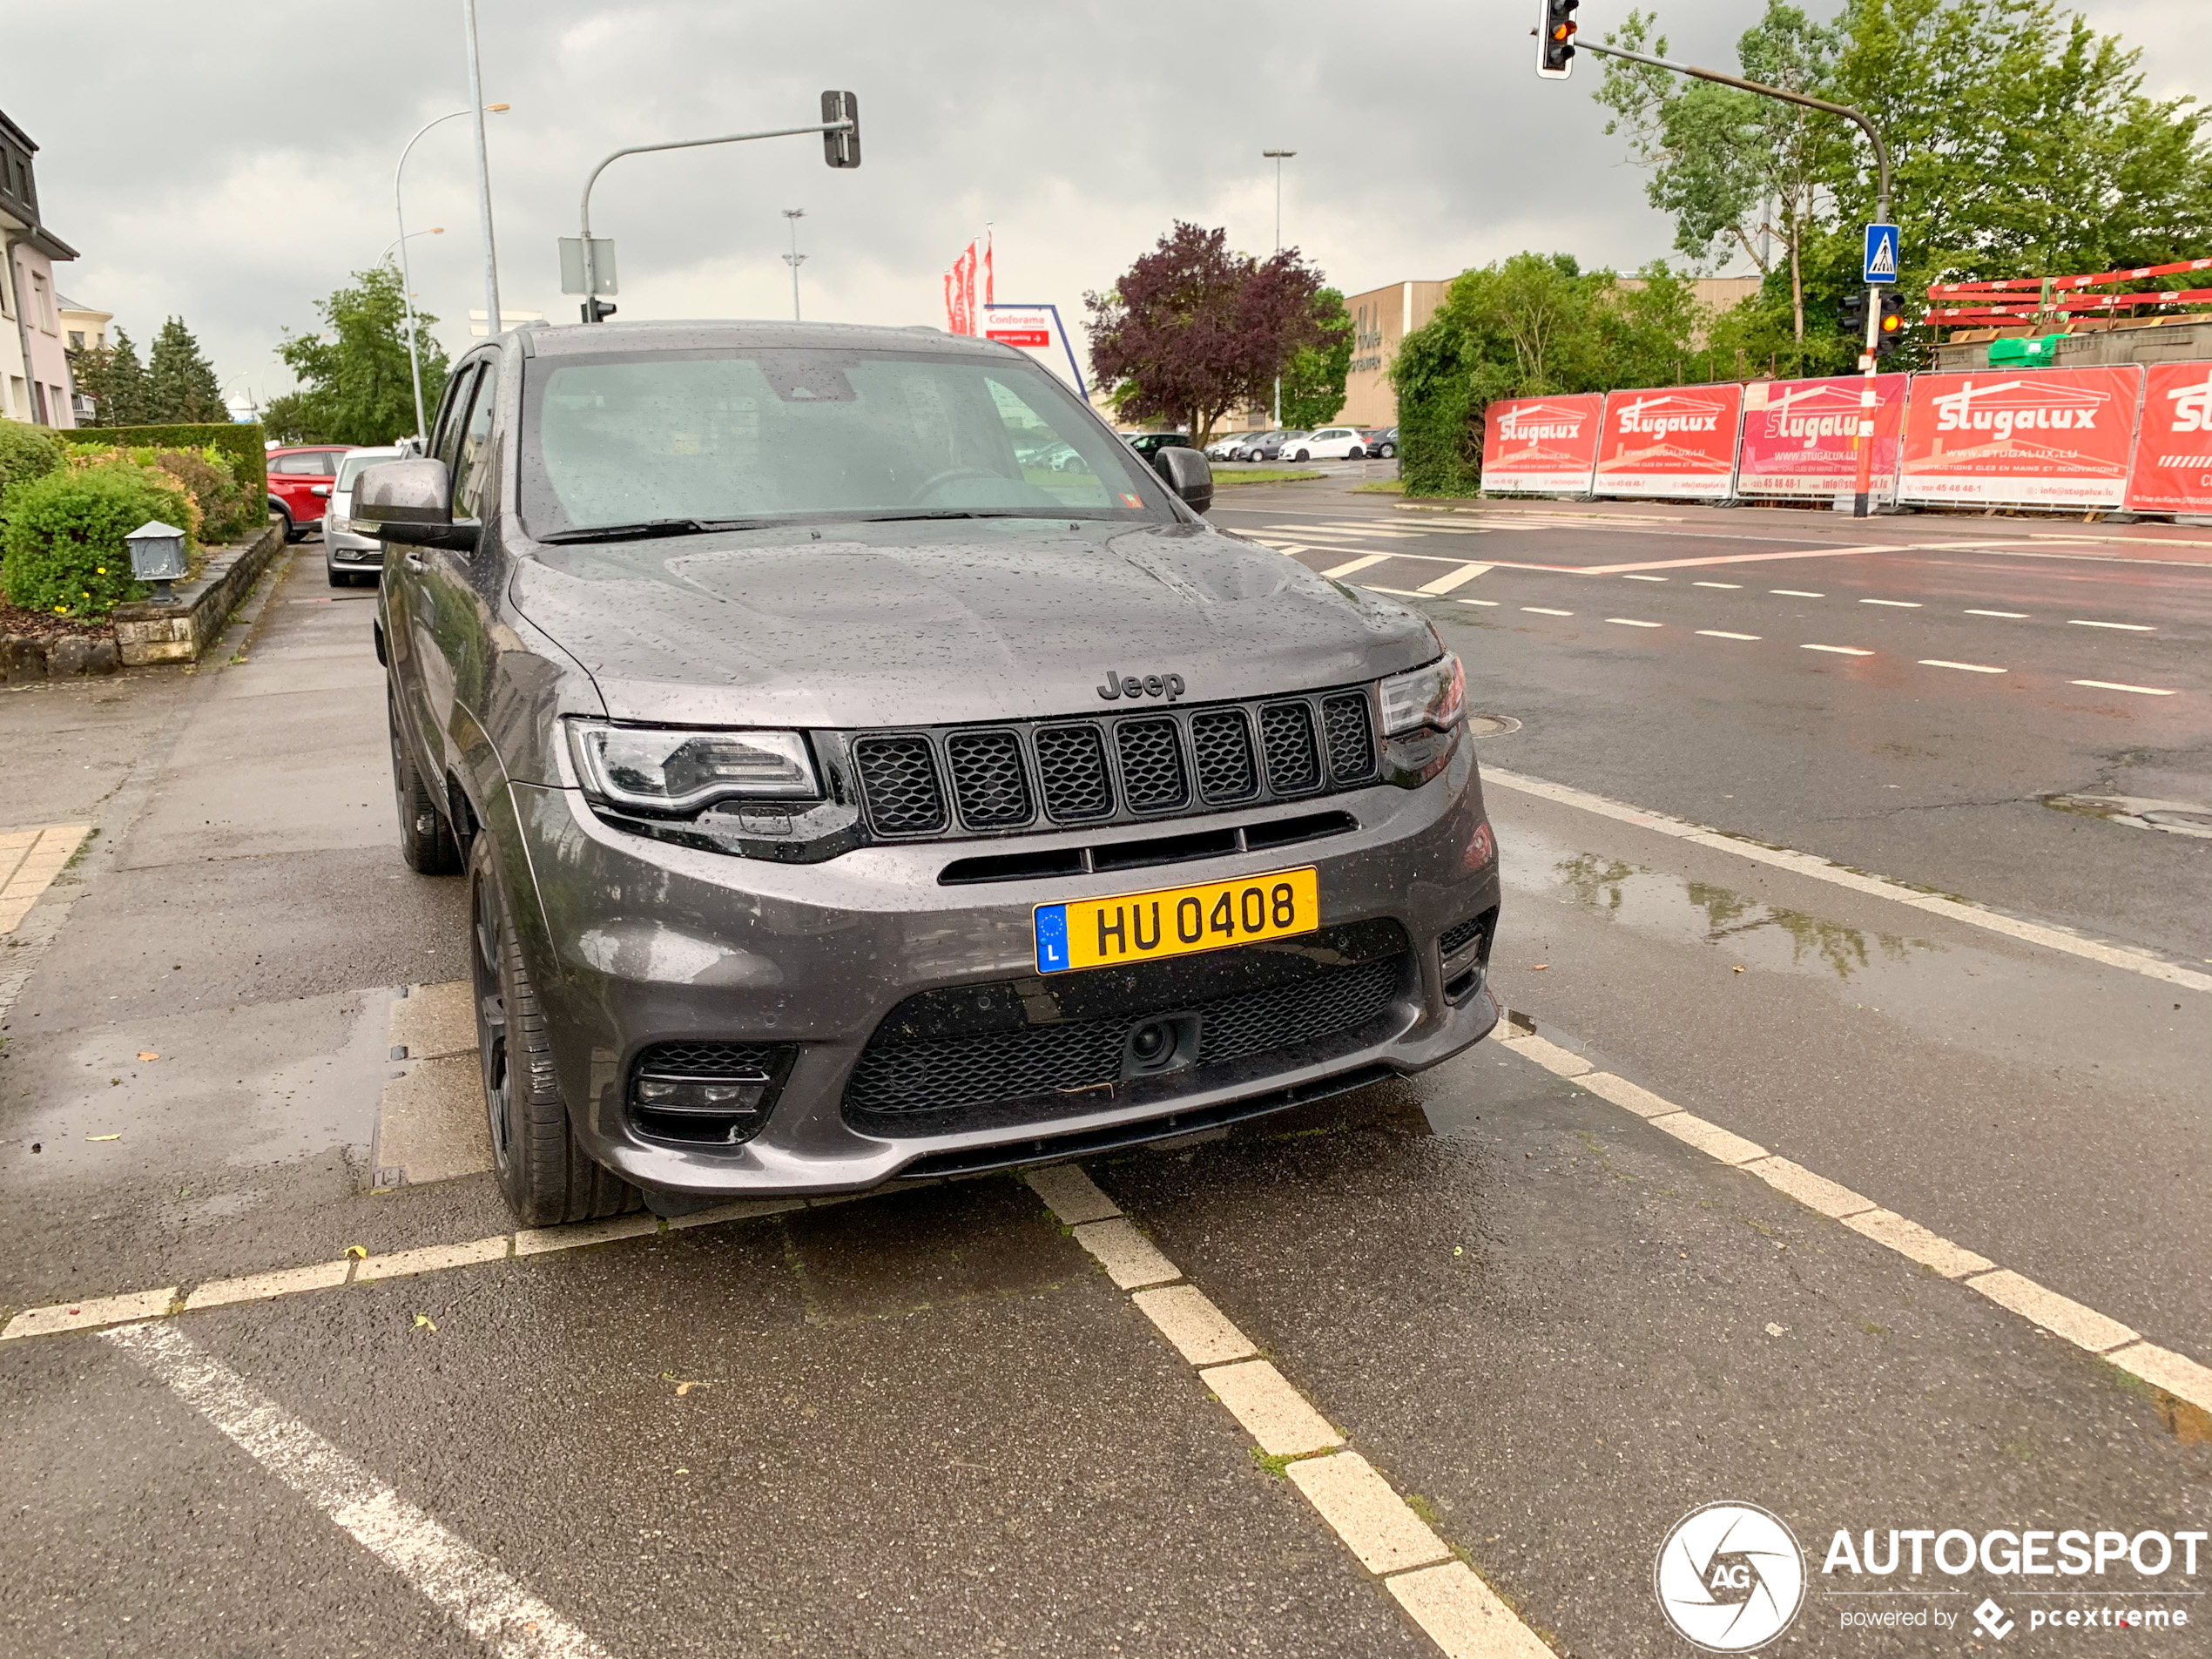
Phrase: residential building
x=83 y=329
x=35 y=381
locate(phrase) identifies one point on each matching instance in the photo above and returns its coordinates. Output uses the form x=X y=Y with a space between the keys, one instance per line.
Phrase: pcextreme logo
x=1730 y=1577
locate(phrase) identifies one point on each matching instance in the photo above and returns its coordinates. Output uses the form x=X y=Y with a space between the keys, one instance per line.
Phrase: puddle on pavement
x=1749 y=931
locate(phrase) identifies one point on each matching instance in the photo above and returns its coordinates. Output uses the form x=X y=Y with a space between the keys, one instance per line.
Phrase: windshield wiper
x=647 y=528
x=953 y=512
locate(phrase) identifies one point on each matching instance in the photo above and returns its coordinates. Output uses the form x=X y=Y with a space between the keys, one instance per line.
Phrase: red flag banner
x=1541 y=446
x=2173 y=470
x=1676 y=442
x=2040 y=437
x=1799 y=436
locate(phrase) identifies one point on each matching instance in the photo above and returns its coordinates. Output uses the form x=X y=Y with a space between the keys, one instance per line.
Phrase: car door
x=410 y=608
x=439 y=603
x=465 y=587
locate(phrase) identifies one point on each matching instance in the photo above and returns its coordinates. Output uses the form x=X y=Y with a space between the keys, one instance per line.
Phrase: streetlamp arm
x=1881 y=152
x=584 y=215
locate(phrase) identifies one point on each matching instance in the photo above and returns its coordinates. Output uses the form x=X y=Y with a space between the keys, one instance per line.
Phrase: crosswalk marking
x=1349 y=565
x=1451 y=579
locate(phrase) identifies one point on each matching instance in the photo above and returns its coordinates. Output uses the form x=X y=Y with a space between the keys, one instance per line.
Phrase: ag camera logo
x=1730 y=1577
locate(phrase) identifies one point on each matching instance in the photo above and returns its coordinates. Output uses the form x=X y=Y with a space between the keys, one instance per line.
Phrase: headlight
x=656 y=770
x=1435 y=696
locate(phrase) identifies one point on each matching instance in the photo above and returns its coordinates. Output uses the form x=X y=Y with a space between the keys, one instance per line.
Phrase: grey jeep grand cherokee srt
x=842 y=798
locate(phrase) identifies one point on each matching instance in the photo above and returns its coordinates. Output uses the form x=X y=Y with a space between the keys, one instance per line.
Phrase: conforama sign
x=1799 y=436
x=2172 y=471
x=1679 y=442
x=2046 y=437
x=1541 y=446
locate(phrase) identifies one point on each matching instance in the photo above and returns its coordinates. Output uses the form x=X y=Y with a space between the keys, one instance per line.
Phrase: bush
x=26 y=452
x=227 y=511
x=241 y=442
x=63 y=551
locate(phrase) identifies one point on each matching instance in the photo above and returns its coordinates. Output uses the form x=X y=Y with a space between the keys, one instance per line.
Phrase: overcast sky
x=231 y=163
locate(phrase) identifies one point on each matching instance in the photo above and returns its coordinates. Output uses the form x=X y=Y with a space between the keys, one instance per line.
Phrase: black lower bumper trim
x=1010 y=1155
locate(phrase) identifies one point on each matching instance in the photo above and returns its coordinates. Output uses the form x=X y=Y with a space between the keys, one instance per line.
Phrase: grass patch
x=1382 y=487
x=1264 y=476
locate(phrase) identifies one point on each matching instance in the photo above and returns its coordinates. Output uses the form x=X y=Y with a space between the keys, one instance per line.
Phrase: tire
x=291 y=531
x=427 y=842
x=338 y=578
x=545 y=1177
x=1389 y=452
x=1303 y=454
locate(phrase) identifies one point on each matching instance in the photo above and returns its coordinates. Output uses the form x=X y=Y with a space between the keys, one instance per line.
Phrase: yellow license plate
x=1175 y=922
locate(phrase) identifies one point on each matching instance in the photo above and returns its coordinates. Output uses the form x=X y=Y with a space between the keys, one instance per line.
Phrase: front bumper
x=638 y=942
x=344 y=548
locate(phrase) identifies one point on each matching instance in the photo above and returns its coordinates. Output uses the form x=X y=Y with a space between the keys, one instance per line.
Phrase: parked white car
x=1329 y=443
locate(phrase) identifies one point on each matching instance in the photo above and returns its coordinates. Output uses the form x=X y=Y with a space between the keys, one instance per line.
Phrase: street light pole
x=483 y=174
x=397 y=241
x=794 y=258
x=407 y=276
x=1278 y=156
x=1865 y=441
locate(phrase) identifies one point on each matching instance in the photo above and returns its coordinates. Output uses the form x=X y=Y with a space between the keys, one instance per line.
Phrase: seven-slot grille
x=1163 y=763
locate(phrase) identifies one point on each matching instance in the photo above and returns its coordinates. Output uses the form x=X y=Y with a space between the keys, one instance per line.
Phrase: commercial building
x=35 y=381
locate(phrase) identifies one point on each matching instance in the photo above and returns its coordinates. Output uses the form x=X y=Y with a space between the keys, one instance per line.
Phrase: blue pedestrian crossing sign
x=1881 y=254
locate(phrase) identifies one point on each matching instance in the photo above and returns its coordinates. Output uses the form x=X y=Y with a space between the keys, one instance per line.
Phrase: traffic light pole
x=1865 y=441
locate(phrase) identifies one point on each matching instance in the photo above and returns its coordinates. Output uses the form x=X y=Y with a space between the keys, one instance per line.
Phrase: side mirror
x=1188 y=474
x=410 y=501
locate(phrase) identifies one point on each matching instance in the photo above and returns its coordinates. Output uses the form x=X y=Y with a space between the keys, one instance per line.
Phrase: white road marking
x=1492 y=604
x=460 y=1580
x=1630 y=621
x=1451 y=579
x=1840 y=650
x=2084 y=1326
x=1126 y=1254
x=1716 y=584
x=1901 y=604
x=90 y=1314
x=1820 y=869
x=1964 y=668
x=1722 y=633
x=2014 y=615
x=1631 y=578
x=2114 y=685
x=1797 y=593
x=1546 y=610
x=1463 y=1615
x=1360 y=563
x=2126 y=627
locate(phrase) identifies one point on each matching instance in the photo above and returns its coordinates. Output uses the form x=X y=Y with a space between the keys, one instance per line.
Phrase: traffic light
x=841 y=149
x=597 y=310
x=1851 y=314
x=1889 y=329
x=1555 y=39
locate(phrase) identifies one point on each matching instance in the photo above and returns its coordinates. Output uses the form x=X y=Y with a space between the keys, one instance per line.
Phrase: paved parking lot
x=1802 y=1194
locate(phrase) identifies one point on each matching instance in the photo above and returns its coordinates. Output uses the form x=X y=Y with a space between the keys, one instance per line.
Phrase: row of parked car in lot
x=1324 y=443
x=311 y=487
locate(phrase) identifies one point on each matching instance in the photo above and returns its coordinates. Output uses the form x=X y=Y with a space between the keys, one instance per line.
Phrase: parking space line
x=1716 y=584
x=1821 y=869
x=1901 y=604
x=1446 y=1599
x=2088 y=1330
x=1964 y=668
x=460 y=1580
x=2013 y=616
x=2116 y=685
x=2126 y=627
x=1722 y=633
x=1544 y=610
x=1795 y=593
x=1840 y=650
x=1630 y=621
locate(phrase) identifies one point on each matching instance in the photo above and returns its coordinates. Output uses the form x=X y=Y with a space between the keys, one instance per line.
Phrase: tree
x=181 y=384
x=1531 y=324
x=1313 y=380
x=1192 y=330
x=1738 y=173
x=115 y=380
x=355 y=384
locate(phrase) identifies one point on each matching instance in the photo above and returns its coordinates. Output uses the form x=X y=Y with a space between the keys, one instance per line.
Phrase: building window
x=77 y=339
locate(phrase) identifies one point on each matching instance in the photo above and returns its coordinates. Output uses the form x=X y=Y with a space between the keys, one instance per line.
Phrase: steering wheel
x=947 y=475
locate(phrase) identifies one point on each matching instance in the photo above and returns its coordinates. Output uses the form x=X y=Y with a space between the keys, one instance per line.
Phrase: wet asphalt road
x=924 y=1423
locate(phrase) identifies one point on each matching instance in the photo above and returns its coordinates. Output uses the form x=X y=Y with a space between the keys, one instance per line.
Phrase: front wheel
x=545 y=1177
x=1303 y=454
x=427 y=842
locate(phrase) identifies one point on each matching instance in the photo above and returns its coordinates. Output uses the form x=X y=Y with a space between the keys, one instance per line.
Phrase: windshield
x=352 y=466
x=722 y=436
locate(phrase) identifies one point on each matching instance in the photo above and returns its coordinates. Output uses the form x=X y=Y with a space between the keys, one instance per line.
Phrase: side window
x=470 y=472
x=447 y=429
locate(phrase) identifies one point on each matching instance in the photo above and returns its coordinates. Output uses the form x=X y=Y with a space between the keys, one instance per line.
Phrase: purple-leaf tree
x=1193 y=330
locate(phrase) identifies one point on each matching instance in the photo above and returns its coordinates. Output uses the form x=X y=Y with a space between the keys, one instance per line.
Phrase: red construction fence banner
x=1677 y=441
x=2029 y=437
x=1799 y=436
x=1541 y=446
x=2173 y=471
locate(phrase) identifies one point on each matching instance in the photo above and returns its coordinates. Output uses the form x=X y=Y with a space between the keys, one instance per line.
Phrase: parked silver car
x=351 y=552
x=842 y=801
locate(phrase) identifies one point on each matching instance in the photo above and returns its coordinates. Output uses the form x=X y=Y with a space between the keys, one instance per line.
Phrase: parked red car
x=299 y=483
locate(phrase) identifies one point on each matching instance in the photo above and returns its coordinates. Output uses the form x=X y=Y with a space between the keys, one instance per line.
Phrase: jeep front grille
x=1120 y=768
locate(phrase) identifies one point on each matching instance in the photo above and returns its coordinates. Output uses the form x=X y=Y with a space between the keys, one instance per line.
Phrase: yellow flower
x=99 y=570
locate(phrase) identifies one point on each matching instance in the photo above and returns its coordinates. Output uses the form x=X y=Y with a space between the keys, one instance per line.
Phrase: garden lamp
x=157 y=555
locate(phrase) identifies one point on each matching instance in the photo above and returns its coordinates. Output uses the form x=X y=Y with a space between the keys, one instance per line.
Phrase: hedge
x=26 y=452
x=65 y=551
x=244 y=441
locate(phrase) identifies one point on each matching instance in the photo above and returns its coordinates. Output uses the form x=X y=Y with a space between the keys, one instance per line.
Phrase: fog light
x=672 y=1094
